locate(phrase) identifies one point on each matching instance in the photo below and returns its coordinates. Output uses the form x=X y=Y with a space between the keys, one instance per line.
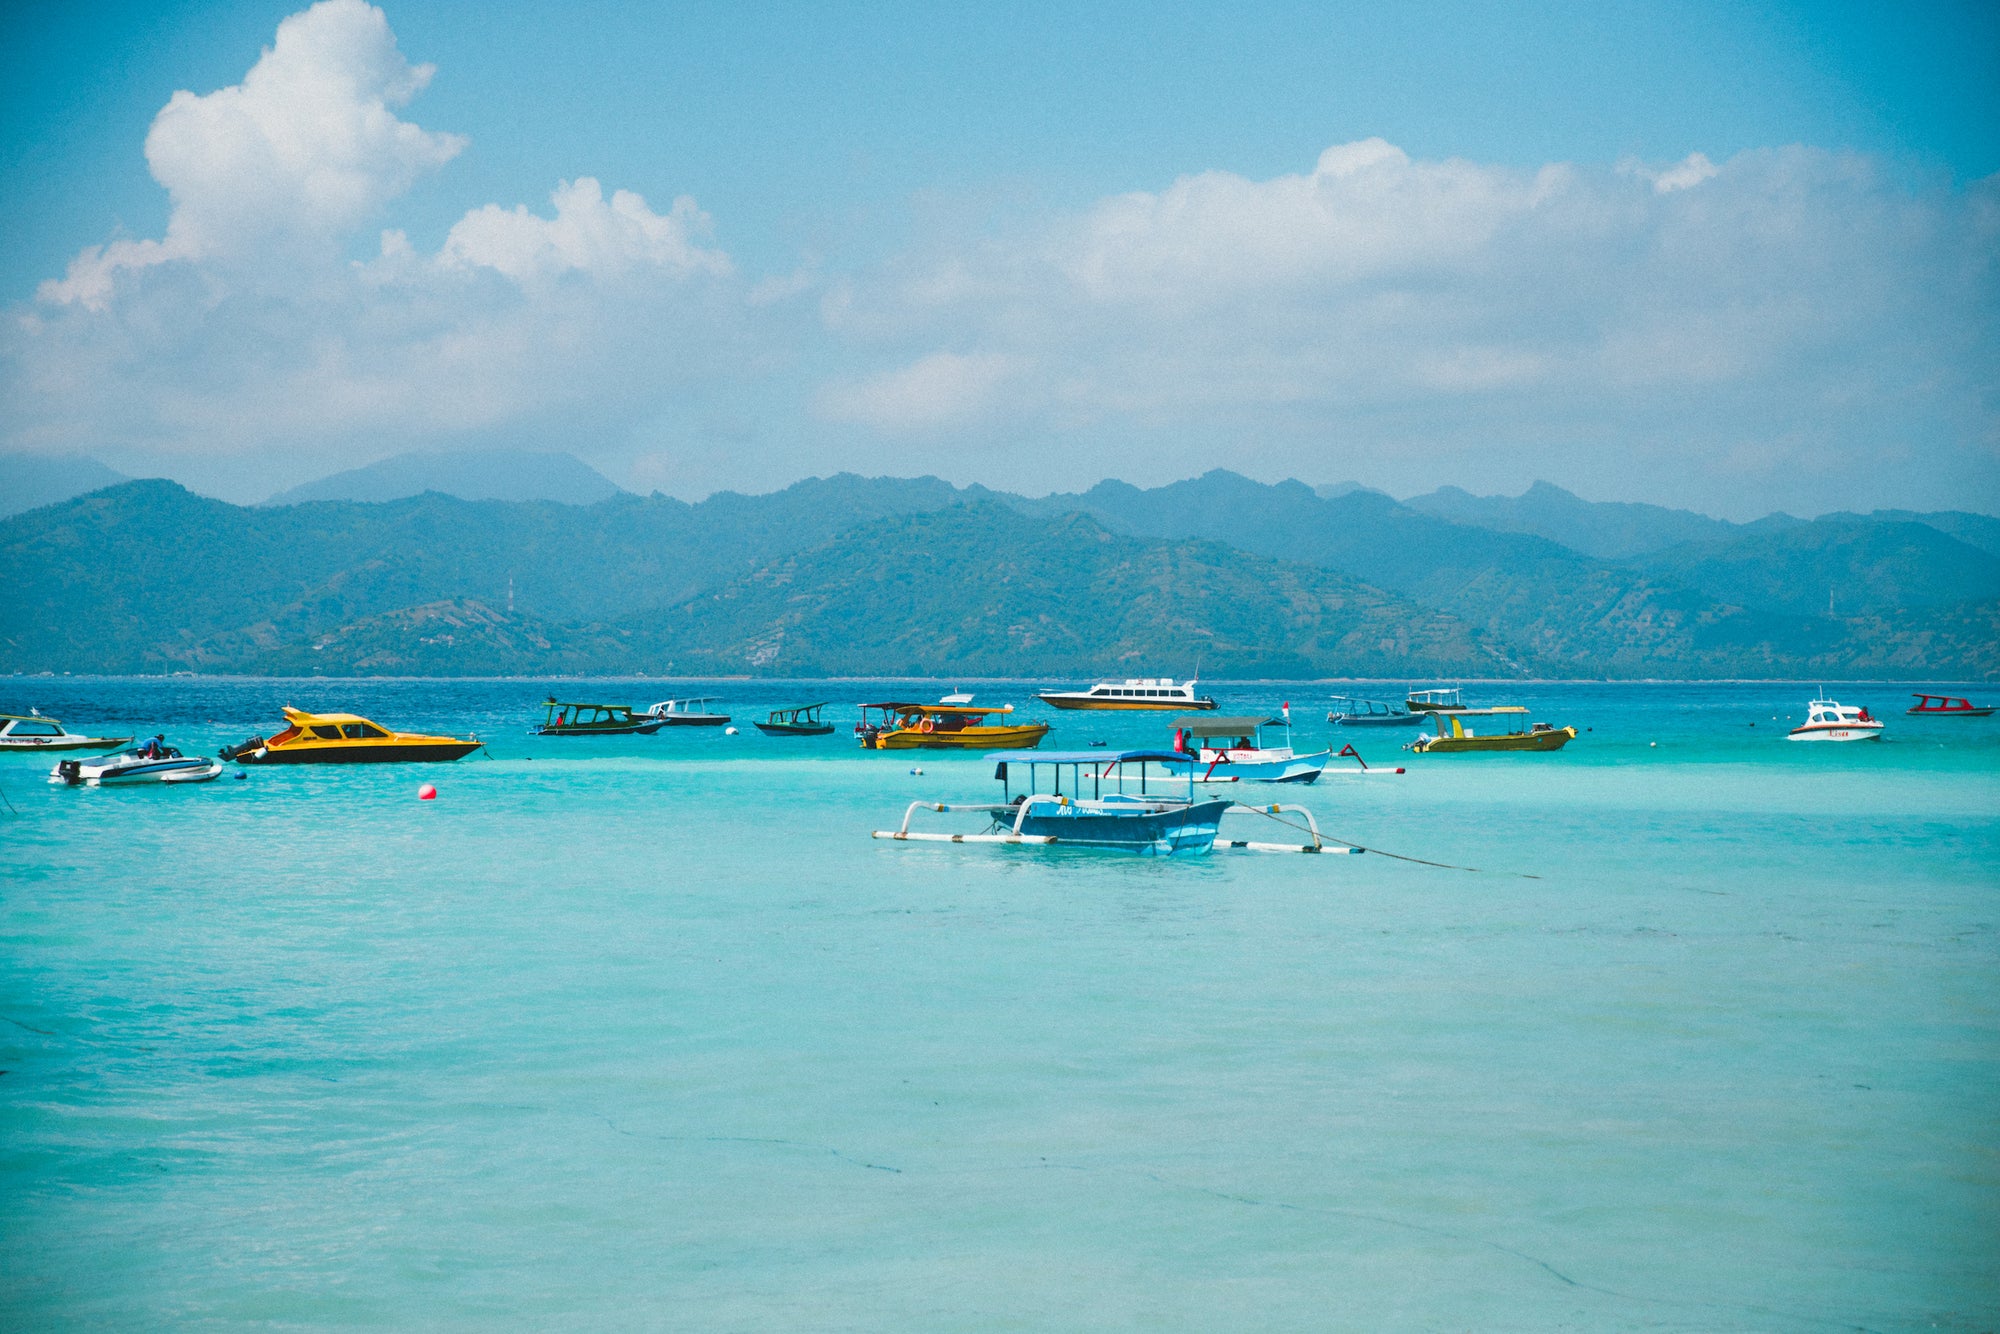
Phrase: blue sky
x=905 y=248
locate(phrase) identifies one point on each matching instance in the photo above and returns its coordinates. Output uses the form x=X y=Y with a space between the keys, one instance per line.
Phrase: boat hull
x=1373 y=719
x=1949 y=713
x=1841 y=733
x=1079 y=701
x=1509 y=741
x=1020 y=736
x=72 y=773
x=1179 y=831
x=428 y=752
x=1296 y=769
x=646 y=728
x=54 y=743
x=794 y=729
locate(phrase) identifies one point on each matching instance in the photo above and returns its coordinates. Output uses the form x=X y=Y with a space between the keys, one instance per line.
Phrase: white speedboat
x=31 y=731
x=1827 y=720
x=151 y=763
x=687 y=712
x=1232 y=750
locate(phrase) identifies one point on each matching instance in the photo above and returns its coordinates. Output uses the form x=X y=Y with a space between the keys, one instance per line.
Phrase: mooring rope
x=10 y=804
x=1377 y=852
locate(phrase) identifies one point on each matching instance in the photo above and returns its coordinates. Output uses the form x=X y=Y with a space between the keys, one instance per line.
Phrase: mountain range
x=848 y=575
x=485 y=474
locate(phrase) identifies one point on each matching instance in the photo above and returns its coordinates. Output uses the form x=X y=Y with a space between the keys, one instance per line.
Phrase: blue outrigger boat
x=1146 y=821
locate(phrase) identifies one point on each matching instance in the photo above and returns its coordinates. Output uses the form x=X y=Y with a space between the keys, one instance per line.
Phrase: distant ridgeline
x=856 y=576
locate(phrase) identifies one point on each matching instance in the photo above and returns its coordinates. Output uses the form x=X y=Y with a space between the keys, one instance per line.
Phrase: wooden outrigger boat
x=568 y=719
x=32 y=731
x=910 y=725
x=1435 y=701
x=1947 y=706
x=1152 y=823
x=801 y=720
x=1454 y=736
x=1232 y=750
x=345 y=738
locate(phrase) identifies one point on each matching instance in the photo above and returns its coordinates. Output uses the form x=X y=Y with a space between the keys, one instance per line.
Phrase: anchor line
x=10 y=802
x=1377 y=852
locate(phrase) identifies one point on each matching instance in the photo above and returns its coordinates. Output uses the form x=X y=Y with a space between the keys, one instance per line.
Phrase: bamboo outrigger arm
x=1312 y=826
x=904 y=835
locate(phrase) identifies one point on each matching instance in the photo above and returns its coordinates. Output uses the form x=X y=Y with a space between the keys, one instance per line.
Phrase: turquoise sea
x=648 y=1034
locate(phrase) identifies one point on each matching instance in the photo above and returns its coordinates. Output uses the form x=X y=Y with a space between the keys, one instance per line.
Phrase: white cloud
x=1689 y=172
x=1782 y=319
x=1407 y=319
x=298 y=154
x=935 y=392
x=245 y=329
x=586 y=234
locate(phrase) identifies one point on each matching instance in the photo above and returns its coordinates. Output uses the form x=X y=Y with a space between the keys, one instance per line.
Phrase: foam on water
x=647 y=1032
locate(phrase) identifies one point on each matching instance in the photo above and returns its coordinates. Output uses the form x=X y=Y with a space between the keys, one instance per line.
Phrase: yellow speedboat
x=906 y=726
x=345 y=738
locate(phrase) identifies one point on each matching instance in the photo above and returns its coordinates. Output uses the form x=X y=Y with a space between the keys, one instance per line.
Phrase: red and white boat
x=1945 y=706
x=1827 y=720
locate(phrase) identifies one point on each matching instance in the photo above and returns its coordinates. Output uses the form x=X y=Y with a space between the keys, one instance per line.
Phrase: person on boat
x=152 y=749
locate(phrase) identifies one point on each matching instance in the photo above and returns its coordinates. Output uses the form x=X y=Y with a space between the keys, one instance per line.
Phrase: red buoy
x=427 y=793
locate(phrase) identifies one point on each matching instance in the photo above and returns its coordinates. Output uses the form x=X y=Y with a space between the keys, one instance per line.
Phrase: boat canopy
x=1005 y=757
x=300 y=718
x=1487 y=713
x=940 y=710
x=1085 y=766
x=1204 y=724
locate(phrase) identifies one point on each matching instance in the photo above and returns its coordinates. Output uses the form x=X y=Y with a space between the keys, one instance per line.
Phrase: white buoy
x=1652 y=743
x=729 y=731
x=916 y=771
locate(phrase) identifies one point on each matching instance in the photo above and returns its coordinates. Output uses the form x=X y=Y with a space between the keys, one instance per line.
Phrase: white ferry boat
x=1830 y=721
x=1149 y=693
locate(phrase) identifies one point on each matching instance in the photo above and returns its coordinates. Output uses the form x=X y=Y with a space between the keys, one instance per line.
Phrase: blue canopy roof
x=1084 y=756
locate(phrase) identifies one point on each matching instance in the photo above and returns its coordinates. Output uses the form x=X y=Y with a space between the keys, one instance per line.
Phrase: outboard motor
x=231 y=752
x=70 y=772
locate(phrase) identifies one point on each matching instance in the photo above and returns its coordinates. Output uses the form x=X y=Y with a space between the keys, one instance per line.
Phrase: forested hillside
x=868 y=576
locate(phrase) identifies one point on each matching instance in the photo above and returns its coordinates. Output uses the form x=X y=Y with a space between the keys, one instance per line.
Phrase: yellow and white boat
x=345 y=738
x=904 y=725
x=1453 y=735
x=1136 y=693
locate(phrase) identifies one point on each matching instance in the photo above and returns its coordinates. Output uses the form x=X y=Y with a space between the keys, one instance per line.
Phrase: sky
x=1732 y=257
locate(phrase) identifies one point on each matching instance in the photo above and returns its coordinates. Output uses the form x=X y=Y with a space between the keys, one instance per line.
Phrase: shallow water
x=646 y=1032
